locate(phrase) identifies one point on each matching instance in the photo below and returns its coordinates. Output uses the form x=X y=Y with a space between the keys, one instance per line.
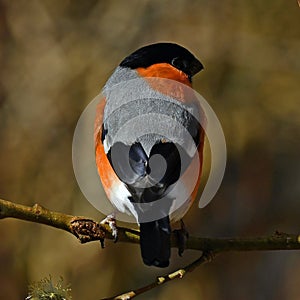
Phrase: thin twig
x=178 y=274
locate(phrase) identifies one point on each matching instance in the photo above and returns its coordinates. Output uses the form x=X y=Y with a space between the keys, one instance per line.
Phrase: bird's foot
x=182 y=236
x=111 y=221
x=208 y=255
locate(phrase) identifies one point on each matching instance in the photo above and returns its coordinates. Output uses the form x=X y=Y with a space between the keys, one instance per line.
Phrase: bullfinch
x=147 y=139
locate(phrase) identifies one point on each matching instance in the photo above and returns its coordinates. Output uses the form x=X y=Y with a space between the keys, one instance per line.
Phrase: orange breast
x=105 y=170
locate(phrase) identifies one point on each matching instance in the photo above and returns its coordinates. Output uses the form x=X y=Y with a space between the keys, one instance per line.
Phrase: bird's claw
x=111 y=221
x=182 y=236
x=208 y=255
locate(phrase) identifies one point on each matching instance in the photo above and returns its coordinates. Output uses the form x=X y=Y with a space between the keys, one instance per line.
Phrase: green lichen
x=46 y=290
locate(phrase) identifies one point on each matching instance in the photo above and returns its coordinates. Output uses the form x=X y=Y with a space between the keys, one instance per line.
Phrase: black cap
x=170 y=53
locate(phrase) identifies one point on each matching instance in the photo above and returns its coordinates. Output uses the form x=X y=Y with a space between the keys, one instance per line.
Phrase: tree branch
x=83 y=228
x=87 y=230
x=178 y=274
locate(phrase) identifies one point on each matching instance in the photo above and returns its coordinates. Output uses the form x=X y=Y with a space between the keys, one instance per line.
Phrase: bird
x=142 y=156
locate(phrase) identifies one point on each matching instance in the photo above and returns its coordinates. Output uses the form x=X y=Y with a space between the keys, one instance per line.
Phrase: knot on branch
x=87 y=230
x=38 y=209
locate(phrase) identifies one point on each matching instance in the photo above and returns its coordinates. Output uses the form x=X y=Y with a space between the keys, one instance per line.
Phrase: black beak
x=195 y=67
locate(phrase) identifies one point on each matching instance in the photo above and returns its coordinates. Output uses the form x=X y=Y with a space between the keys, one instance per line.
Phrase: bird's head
x=170 y=53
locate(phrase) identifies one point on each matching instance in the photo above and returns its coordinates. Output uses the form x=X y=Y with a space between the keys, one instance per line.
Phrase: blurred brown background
x=56 y=55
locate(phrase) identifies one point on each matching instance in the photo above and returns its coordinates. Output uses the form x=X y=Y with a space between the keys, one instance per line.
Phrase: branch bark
x=83 y=228
x=87 y=230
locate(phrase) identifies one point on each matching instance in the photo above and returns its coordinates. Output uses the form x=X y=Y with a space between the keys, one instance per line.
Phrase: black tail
x=155 y=241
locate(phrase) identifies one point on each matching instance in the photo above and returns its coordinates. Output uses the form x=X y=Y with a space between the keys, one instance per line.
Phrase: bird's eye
x=177 y=63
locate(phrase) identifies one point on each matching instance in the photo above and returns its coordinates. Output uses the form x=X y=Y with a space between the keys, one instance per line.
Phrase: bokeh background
x=55 y=57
